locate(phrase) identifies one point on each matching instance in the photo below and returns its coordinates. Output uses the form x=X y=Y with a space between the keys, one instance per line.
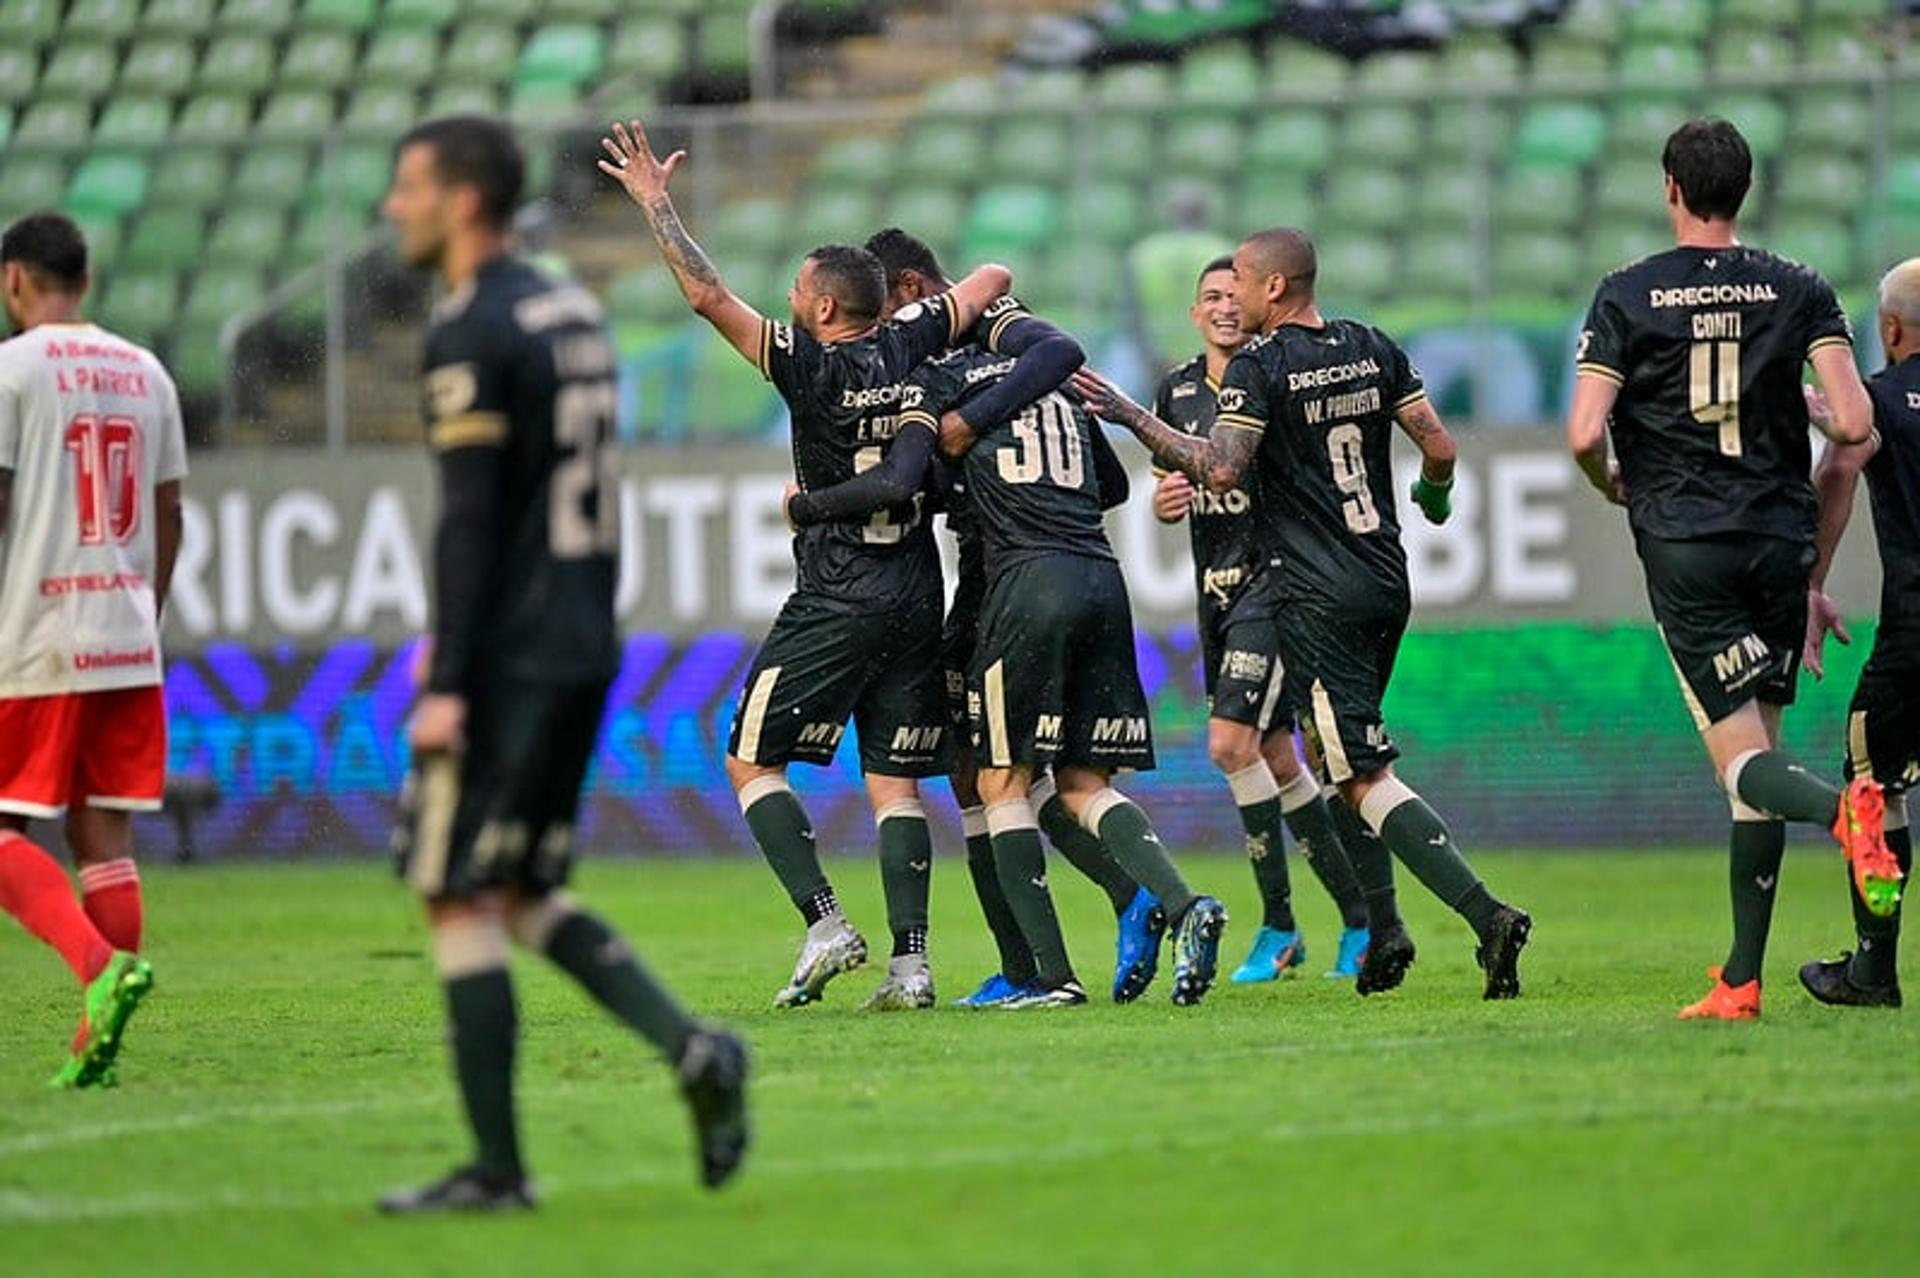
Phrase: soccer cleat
x=1136 y=950
x=1273 y=953
x=1069 y=994
x=1860 y=829
x=1832 y=983
x=463 y=1189
x=993 y=991
x=1389 y=955
x=908 y=987
x=713 y=1078
x=831 y=947
x=1725 y=1002
x=1196 y=950
x=112 y=999
x=1499 y=954
x=1353 y=952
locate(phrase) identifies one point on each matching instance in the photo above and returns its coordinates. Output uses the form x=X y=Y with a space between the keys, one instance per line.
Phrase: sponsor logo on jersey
x=1711 y=295
x=783 y=337
x=113 y=658
x=1913 y=400
x=999 y=368
x=1250 y=667
x=1129 y=729
x=1222 y=582
x=1187 y=390
x=1332 y=374
x=871 y=397
x=908 y=313
x=451 y=390
x=95 y=583
x=1232 y=399
x=822 y=734
x=1232 y=502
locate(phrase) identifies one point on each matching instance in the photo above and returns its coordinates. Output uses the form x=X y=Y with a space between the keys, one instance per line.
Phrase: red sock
x=110 y=893
x=35 y=890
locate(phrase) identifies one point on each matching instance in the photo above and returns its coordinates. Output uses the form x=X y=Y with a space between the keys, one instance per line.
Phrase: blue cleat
x=1136 y=950
x=1196 y=950
x=1353 y=951
x=1273 y=953
x=993 y=992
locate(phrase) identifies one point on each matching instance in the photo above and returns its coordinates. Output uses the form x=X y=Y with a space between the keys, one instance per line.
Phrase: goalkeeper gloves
x=1435 y=500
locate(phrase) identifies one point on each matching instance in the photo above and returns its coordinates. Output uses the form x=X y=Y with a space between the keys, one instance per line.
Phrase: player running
x=1695 y=355
x=1883 y=722
x=519 y=400
x=1312 y=402
x=1249 y=732
x=92 y=452
x=859 y=637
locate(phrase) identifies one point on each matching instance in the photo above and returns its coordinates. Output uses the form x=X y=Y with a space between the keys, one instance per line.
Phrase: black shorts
x=502 y=814
x=1054 y=679
x=1883 y=721
x=958 y=635
x=1733 y=613
x=1338 y=665
x=1240 y=656
x=822 y=665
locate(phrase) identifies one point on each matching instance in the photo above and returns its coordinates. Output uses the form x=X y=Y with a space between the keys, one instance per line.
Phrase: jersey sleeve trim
x=1821 y=343
x=761 y=360
x=1600 y=370
x=469 y=430
x=1240 y=421
x=918 y=417
x=1411 y=397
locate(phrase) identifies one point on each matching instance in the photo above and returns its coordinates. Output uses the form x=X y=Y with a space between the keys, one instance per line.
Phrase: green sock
x=1082 y=850
x=1308 y=817
x=906 y=873
x=1757 y=849
x=785 y=835
x=1016 y=960
x=1771 y=781
x=485 y=1030
x=1127 y=833
x=593 y=954
x=1414 y=832
x=1877 y=960
x=1022 y=866
x=1257 y=796
x=1372 y=864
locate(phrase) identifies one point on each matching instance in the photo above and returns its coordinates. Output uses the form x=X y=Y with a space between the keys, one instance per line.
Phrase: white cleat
x=908 y=986
x=831 y=947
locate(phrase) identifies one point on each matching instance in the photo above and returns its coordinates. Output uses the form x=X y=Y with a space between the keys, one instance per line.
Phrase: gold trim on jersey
x=1600 y=370
x=760 y=361
x=1411 y=397
x=1821 y=343
x=1000 y=326
x=919 y=417
x=469 y=430
x=1240 y=421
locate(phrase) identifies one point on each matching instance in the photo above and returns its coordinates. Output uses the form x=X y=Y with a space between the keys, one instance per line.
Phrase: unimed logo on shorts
x=1130 y=731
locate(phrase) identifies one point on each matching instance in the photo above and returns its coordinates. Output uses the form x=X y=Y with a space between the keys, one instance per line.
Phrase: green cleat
x=112 y=999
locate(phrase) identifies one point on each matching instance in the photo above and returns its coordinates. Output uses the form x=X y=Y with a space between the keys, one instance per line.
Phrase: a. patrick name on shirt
x=123 y=383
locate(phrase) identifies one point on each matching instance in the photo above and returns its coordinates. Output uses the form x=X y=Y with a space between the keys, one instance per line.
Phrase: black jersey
x=1893 y=483
x=1032 y=484
x=1711 y=426
x=521 y=365
x=1324 y=401
x=1225 y=528
x=846 y=398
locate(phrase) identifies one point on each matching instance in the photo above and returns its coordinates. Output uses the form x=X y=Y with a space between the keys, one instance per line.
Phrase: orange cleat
x=1725 y=1002
x=1860 y=830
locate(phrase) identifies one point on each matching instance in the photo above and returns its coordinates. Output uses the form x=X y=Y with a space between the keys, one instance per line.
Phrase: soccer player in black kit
x=519 y=404
x=1883 y=721
x=1691 y=360
x=859 y=637
x=1249 y=731
x=1307 y=411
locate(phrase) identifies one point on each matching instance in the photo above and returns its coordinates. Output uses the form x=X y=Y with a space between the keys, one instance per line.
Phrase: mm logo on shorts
x=822 y=734
x=1047 y=729
x=1741 y=662
x=916 y=740
x=1120 y=729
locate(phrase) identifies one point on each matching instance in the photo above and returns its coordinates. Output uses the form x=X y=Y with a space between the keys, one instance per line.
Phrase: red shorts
x=101 y=749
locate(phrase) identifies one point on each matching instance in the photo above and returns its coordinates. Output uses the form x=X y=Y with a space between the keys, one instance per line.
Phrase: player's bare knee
x=887 y=792
x=1283 y=758
x=1233 y=747
x=532 y=920
x=998 y=785
x=98 y=835
x=741 y=774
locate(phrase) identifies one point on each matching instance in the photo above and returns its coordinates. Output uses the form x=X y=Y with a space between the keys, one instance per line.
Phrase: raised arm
x=1217 y=462
x=631 y=163
x=1593 y=398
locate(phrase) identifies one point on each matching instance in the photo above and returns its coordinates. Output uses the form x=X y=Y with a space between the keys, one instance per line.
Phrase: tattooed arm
x=632 y=164
x=1437 y=451
x=1218 y=461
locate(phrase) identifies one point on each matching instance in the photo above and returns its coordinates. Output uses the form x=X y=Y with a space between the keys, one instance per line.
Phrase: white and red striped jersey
x=89 y=424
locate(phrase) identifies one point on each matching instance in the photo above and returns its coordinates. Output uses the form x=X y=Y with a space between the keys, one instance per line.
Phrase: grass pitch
x=290 y=1066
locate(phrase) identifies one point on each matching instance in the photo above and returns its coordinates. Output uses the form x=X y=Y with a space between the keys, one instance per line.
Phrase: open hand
x=1102 y=398
x=1823 y=616
x=631 y=163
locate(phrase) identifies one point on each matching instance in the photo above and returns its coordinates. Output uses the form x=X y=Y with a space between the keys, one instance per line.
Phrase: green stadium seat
x=317 y=60
x=511 y=12
x=645 y=295
x=1272 y=199
x=730 y=397
x=961 y=95
x=942 y=150
x=1381 y=133
x=1901 y=187
x=1538 y=198
x=1752 y=51
x=1052 y=89
x=249 y=237
x=6 y=125
x=480 y=53
x=1819 y=182
x=141 y=305
x=647 y=48
x=1595 y=22
x=933 y=214
x=1822 y=244
x=214 y=117
x=1031 y=150
x=101 y=19
x=163 y=67
x=1560 y=134
x=862 y=161
x=273 y=176
x=1294 y=66
x=1447 y=195
x=1133 y=85
x=30 y=22
x=544 y=104
x=833 y=217
x=177 y=17
x=59 y=122
x=1774 y=15
x=19 y=71
x=1537 y=263
x=402 y=57
x=722 y=46
x=356 y=174
x=1103 y=211
x=1441 y=265
x=1759 y=116
x=79 y=70
x=567 y=52
x=1357 y=268
x=1020 y=216
x=319 y=229
x=463 y=99
x=1195 y=202
x=194 y=359
x=236 y=64
x=1366 y=199
x=166 y=238
x=219 y=293
x=1459 y=130
x=29 y=182
x=1208 y=145
x=1848 y=11
x=381 y=111
x=420 y=15
x=1611 y=245
x=1676 y=20
x=1559 y=59
x=103 y=235
x=747 y=228
x=1484 y=59
x=133 y=122
x=1641 y=123
x=1400 y=73
x=1839 y=50
x=338 y=15
x=1630 y=186
x=1839 y=118
x=256 y=17
x=596 y=11
x=190 y=177
x=1297 y=140
x=1659 y=66
x=1224 y=74
x=296 y=115
x=1125 y=146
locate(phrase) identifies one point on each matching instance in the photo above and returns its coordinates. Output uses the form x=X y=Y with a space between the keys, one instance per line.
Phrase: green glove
x=1436 y=500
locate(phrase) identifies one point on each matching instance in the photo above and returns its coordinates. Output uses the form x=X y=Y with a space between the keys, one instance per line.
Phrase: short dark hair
x=1222 y=263
x=476 y=151
x=1710 y=163
x=1286 y=251
x=899 y=252
x=852 y=277
x=52 y=246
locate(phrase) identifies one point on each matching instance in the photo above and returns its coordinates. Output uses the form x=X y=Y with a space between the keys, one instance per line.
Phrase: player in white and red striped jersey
x=92 y=452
